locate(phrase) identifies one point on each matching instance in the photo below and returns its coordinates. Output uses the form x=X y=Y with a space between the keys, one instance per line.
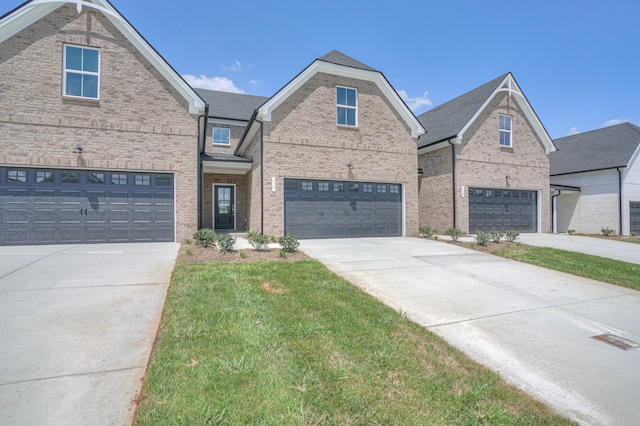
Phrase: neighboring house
x=331 y=154
x=98 y=134
x=484 y=161
x=596 y=180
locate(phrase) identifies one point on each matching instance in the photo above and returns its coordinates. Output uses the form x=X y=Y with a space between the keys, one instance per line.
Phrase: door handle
x=83 y=211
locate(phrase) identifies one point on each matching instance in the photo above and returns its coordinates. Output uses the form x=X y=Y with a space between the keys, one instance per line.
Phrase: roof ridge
x=600 y=129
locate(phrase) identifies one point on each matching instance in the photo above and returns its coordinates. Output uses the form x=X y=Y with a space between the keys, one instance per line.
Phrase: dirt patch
x=266 y=286
x=190 y=253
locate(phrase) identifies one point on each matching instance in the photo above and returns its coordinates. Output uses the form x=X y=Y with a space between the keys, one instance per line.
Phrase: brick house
x=485 y=162
x=595 y=178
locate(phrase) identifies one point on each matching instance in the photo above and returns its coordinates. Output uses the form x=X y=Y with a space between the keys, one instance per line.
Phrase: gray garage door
x=330 y=209
x=503 y=210
x=634 y=216
x=50 y=206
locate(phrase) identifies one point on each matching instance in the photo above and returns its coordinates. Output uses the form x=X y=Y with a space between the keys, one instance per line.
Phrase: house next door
x=224 y=206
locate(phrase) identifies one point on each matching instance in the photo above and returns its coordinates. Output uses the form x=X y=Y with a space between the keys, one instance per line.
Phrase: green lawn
x=598 y=268
x=290 y=343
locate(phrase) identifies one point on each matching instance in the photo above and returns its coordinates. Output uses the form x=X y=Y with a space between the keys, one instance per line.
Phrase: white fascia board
x=251 y=133
x=227 y=122
x=226 y=167
x=264 y=112
x=38 y=9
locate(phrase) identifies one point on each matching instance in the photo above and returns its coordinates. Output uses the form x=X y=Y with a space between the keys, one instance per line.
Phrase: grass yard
x=290 y=343
x=598 y=268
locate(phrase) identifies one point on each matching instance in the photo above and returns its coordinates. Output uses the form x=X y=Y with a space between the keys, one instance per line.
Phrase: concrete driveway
x=619 y=250
x=532 y=325
x=78 y=325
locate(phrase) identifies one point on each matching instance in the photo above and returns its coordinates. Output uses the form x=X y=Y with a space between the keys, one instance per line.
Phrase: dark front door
x=224 y=202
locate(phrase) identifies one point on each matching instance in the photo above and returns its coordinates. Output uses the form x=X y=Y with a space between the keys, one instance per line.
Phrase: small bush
x=289 y=243
x=496 y=236
x=205 y=237
x=258 y=241
x=188 y=241
x=189 y=252
x=634 y=234
x=427 y=232
x=282 y=253
x=243 y=255
x=607 y=232
x=571 y=231
x=482 y=238
x=512 y=235
x=226 y=243
x=454 y=233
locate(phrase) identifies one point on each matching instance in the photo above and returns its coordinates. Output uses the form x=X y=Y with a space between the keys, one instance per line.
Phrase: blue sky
x=578 y=62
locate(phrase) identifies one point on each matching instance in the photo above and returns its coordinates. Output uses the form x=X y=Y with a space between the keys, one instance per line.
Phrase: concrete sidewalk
x=612 y=249
x=532 y=325
x=78 y=326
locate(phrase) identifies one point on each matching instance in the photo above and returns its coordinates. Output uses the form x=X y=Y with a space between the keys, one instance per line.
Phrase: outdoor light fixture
x=77 y=150
x=350 y=165
x=420 y=172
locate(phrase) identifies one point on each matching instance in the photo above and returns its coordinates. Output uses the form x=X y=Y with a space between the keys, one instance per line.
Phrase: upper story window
x=347 y=103
x=221 y=136
x=81 y=72
x=505 y=130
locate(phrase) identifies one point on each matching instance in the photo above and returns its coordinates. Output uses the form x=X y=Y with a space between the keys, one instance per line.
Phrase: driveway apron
x=532 y=325
x=78 y=326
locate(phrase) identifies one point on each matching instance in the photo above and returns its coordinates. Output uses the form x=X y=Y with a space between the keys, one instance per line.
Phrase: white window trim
x=64 y=71
x=510 y=132
x=355 y=108
x=220 y=143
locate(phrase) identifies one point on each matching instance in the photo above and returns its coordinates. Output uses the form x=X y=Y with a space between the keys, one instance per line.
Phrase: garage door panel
x=503 y=210
x=61 y=206
x=323 y=209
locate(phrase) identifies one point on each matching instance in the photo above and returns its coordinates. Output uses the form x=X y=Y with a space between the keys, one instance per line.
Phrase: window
x=70 y=177
x=44 y=177
x=347 y=106
x=354 y=187
x=81 y=72
x=381 y=189
x=367 y=187
x=95 y=178
x=144 y=180
x=505 y=130
x=291 y=185
x=394 y=189
x=323 y=186
x=221 y=136
x=338 y=187
x=17 y=176
x=163 y=180
x=307 y=186
x=119 y=179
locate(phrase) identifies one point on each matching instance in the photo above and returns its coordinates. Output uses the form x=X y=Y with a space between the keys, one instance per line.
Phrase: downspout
x=554 y=219
x=261 y=176
x=619 y=200
x=205 y=116
x=453 y=174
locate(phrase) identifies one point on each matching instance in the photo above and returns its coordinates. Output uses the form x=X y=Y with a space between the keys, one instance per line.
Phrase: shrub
x=289 y=243
x=243 y=255
x=427 y=231
x=607 y=232
x=571 y=231
x=282 y=253
x=205 y=237
x=189 y=252
x=512 y=235
x=226 y=243
x=482 y=238
x=634 y=234
x=188 y=241
x=496 y=236
x=258 y=241
x=454 y=233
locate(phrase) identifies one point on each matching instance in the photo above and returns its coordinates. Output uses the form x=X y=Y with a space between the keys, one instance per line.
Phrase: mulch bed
x=190 y=253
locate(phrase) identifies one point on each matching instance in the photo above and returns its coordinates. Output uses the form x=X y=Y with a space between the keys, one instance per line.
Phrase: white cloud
x=222 y=84
x=237 y=66
x=417 y=102
x=615 y=121
x=254 y=82
x=573 y=131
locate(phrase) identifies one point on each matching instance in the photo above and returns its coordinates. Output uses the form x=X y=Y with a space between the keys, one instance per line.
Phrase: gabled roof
x=31 y=11
x=333 y=63
x=607 y=148
x=231 y=106
x=450 y=120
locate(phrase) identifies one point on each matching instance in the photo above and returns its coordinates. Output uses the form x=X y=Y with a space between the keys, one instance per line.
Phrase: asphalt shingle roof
x=606 y=148
x=339 y=58
x=445 y=121
x=233 y=106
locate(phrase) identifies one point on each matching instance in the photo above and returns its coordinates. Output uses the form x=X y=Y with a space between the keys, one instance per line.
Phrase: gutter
x=619 y=200
x=201 y=148
x=554 y=219
x=453 y=176
x=261 y=176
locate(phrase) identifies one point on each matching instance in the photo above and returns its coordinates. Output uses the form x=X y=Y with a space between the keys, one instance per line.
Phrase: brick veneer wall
x=436 y=194
x=303 y=140
x=140 y=122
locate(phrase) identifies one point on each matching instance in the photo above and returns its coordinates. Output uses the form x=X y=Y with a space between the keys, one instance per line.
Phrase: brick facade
x=140 y=123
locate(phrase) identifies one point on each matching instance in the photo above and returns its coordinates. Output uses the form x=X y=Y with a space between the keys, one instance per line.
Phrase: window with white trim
x=347 y=106
x=81 y=77
x=221 y=136
x=505 y=130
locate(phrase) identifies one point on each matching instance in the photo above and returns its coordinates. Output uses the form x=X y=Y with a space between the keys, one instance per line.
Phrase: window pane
x=96 y=178
x=90 y=86
x=17 y=176
x=307 y=186
x=90 y=60
x=351 y=117
x=338 y=187
x=351 y=97
x=163 y=180
x=323 y=186
x=367 y=187
x=74 y=58
x=353 y=187
x=382 y=189
x=342 y=96
x=143 y=180
x=44 y=177
x=394 y=189
x=221 y=135
x=505 y=139
x=119 y=179
x=70 y=177
x=74 y=84
x=342 y=115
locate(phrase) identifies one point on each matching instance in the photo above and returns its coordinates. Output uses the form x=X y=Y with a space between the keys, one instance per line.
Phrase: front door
x=224 y=203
